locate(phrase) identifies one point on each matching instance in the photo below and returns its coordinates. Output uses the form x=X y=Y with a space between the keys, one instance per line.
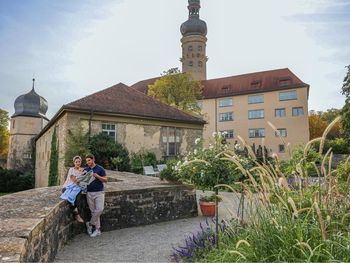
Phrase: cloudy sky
x=74 y=48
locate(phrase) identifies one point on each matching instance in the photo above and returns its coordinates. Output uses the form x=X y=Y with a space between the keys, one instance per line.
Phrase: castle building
x=244 y=104
x=26 y=123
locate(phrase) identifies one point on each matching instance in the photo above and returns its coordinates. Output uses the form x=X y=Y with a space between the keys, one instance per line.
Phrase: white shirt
x=74 y=172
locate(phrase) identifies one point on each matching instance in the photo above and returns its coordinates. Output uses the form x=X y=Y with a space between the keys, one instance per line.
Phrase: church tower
x=194 y=31
x=27 y=121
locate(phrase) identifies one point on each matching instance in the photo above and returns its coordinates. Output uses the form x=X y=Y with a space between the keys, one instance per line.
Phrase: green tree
x=108 y=153
x=346 y=109
x=77 y=144
x=53 y=170
x=178 y=90
x=4 y=133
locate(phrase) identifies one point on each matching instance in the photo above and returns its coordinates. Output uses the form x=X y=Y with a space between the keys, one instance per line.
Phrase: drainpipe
x=90 y=120
x=216 y=115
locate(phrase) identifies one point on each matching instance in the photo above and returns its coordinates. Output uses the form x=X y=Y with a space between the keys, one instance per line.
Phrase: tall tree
x=346 y=109
x=316 y=125
x=4 y=133
x=177 y=89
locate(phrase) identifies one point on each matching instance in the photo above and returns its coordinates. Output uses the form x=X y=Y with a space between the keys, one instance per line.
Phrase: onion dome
x=194 y=25
x=31 y=105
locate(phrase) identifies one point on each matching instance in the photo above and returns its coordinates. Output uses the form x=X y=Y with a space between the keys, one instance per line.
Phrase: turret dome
x=31 y=105
x=194 y=25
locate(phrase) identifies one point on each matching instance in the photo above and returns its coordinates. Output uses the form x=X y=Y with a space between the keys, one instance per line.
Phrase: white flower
x=214 y=134
x=238 y=147
x=185 y=162
x=211 y=147
x=197 y=141
x=195 y=151
x=224 y=133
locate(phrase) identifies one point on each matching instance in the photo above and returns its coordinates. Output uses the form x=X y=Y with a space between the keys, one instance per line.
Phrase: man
x=95 y=195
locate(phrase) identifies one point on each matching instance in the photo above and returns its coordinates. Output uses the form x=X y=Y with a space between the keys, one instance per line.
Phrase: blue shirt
x=96 y=185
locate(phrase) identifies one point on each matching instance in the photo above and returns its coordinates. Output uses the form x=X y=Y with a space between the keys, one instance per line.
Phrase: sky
x=75 y=48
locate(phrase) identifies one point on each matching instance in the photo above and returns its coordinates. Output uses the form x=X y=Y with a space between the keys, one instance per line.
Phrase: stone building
x=26 y=123
x=244 y=104
x=130 y=117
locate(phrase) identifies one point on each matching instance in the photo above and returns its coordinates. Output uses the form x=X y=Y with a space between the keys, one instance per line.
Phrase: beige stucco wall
x=22 y=131
x=43 y=152
x=297 y=127
x=134 y=133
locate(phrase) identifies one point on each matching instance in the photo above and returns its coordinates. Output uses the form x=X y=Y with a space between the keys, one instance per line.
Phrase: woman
x=73 y=174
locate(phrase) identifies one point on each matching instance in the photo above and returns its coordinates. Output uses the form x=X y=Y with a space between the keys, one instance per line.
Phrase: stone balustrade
x=35 y=224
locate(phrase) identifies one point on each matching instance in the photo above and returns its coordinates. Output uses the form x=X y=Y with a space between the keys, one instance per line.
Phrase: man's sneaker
x=88 y=228
x=96 y=233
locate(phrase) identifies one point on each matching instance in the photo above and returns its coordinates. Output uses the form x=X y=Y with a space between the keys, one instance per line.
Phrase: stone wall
x=35 y=224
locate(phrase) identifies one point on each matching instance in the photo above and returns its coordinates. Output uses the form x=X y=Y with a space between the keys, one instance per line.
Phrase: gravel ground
x=150 y=243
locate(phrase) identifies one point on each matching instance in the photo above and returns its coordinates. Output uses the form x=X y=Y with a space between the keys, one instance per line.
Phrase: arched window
x=199 y=48
x=200 y=64
x=190 y=48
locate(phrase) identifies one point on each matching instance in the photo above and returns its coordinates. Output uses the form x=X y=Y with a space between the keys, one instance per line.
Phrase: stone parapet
x=35 y=224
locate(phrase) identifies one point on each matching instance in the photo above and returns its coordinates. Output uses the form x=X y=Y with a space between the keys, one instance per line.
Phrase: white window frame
x=278 y=132
x=229 y=134
x=279 y=109
x=288 y=95
x=229 y=116
x=226 y=102
x=251 y=99
x=298 y=111
x=109 y=129
x=257 y=131
x=252 y=116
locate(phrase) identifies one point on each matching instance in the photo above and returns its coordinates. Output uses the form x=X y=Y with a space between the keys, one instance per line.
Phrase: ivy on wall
x=53 y=170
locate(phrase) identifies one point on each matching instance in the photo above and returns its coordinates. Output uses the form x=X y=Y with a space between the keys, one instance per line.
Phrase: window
x=27 y=156
x=297 y=111
x=280 y=112
x=253 y=99
x=288 y=95
x=255 y=84
x=190 y=63
x=226 y=116
x=228 y=134
x=255 y=114
x=257 y=133
x=13 y=124
x=190 y=48
x=200 y=64
x=281 y=148
x=109 y=129
x=226 y=102
x=281 y=132
x=199 y=48
x=171 y=141
x=285 y=82
x=225 y=89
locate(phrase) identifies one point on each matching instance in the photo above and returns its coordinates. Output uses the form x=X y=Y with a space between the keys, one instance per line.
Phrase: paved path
x=151 y=243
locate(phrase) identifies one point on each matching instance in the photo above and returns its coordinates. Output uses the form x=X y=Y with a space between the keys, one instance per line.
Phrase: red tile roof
x=257 y=82
x=121 y=99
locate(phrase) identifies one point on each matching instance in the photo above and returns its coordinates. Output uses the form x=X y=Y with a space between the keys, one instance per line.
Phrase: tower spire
x=33 y=83
x=193 y=8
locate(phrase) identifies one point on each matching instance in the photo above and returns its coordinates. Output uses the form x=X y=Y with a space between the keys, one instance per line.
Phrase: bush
x=77 y=144
x=212 y=169
x=140 y=159
x=14 y=181
x=289 y=167
x=343 y=171
x=169 y=173
x=106 y=149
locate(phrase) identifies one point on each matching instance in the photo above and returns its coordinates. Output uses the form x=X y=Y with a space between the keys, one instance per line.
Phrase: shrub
x=77 y=144
x=212 y=169
x=343 y=171
x=140 y=159
x=169 y=173
x=106 y=149
x=14 y=181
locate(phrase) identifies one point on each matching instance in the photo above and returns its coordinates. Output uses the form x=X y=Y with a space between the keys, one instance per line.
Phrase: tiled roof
x=121 y=99
x=257 y=82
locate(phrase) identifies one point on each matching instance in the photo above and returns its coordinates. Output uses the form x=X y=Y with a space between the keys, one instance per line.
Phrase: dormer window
x=225 y=89
x=285 y=82
x=255 y=84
